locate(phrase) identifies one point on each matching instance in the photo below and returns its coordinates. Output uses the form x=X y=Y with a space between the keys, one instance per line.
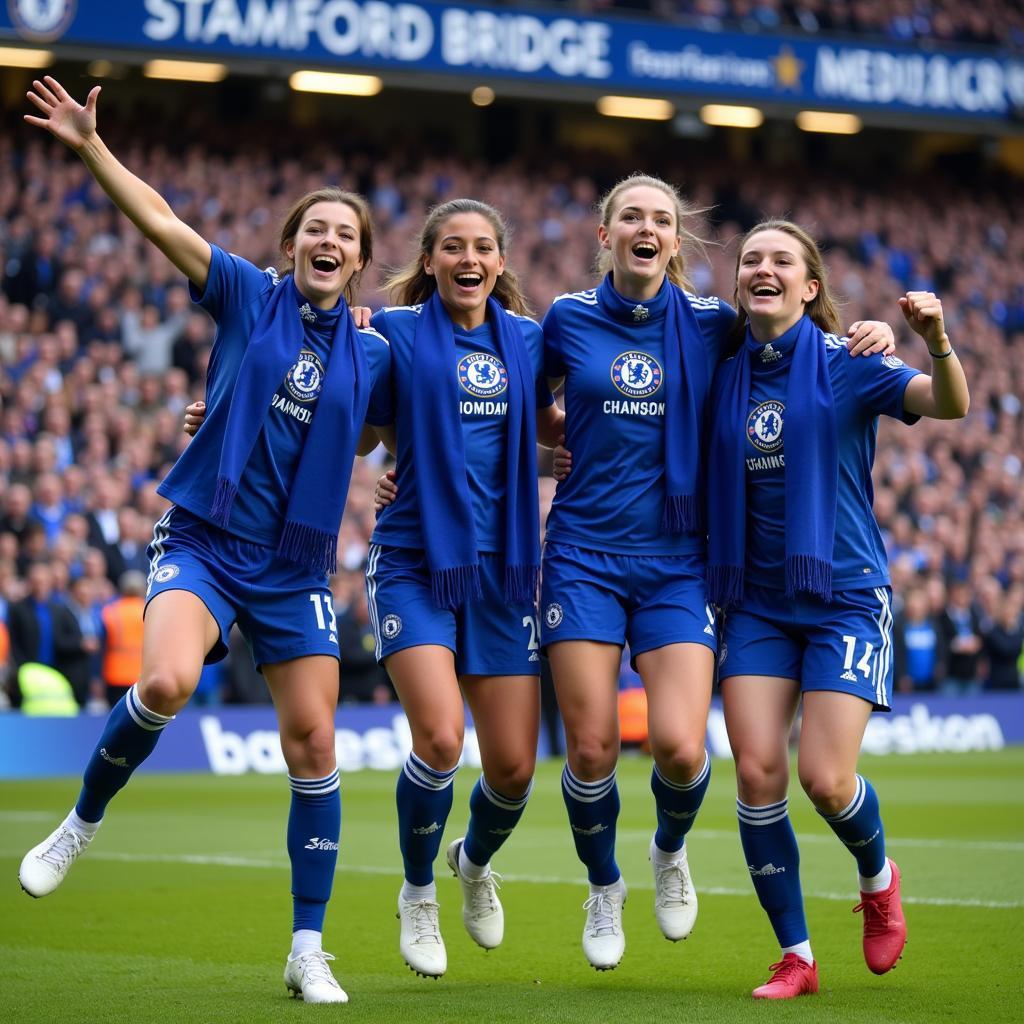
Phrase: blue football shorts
x=283 y=610
x=845 y=646
x=488 y=637
x=646 y=601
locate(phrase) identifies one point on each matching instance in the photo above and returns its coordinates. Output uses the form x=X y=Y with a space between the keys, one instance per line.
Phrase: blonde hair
x=412 y=284
x=823 y=309
x=330 y=194
x=676 y=269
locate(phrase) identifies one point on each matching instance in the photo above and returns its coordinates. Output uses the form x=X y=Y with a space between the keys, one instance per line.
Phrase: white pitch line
x=230 y=861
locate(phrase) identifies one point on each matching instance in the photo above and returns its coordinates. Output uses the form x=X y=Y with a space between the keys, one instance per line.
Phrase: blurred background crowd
x=101 y=350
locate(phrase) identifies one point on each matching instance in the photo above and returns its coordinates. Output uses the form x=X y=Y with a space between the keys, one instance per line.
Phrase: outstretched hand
x=923 y=312
x=63 y=117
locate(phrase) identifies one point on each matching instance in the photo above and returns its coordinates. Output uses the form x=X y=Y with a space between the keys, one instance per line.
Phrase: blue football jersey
x=235 y=296
x=483 y=404
x=864 y=387
x=611 y=354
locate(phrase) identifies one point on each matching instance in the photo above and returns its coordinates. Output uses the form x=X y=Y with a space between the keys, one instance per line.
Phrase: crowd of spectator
x=997 y=23
x=101 y=350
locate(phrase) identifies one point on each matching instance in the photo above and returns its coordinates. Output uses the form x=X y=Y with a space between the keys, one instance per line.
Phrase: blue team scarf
x=318 y=492
x=439 y=454
x=686 y=361
x=812 y=468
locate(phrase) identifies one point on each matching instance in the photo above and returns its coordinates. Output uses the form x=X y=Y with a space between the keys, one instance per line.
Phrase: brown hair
x=823 y=309
x=412 y=284
x=692 y=243
x=330 y=194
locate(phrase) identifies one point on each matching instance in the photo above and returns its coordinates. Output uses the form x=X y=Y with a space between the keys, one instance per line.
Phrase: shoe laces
x=788 y=968
x=66 y=846
x=423 y=917
x=602 y=914
x=314 y=969
x=671 y=882
x=876 y=908
x=482 y=893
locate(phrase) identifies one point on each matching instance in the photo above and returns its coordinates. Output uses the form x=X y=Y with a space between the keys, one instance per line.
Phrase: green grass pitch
x=180 y=910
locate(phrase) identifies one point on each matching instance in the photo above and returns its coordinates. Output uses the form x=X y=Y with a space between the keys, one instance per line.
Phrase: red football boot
x=885 y=928
x=791 y=976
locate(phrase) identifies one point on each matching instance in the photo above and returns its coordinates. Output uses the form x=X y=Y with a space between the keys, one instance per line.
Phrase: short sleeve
x=233 y=283
x=880 y=382
x=380 y=411
x=554 y=360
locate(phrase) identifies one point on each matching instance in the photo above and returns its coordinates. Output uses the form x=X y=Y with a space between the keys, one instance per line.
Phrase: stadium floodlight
x=826 y=121
x=723 y=115
x=643 y=108
x=18 y=57
x=336 y=84
x=482 y=96
x=185 y=70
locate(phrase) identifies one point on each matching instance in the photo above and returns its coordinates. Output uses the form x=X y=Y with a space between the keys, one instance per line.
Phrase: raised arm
x=75 y=126
x=944 y=394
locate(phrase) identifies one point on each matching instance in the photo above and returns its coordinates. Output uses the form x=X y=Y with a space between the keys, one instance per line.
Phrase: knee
x=512 y=780
x=591 y=756
x=164 y=690
x=828 y=790
x=440 y=748
x=759 y=781
x=311 y=751
x=680 y=761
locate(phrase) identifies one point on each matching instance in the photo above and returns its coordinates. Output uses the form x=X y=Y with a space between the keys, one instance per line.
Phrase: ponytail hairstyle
x=411 y=284
x=691 y=243
x=330 y=194
x=823 y=309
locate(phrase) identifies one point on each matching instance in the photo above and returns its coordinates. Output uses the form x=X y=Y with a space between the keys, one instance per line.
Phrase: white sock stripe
x=768 y=815
x=884 y=658
x=141 y=715
x=161 y=529
x=504 y=802
x=853 y=806
x=315 y=787
x=586 y=792
x=425 y=777
x=371 y=596
x=695 y=781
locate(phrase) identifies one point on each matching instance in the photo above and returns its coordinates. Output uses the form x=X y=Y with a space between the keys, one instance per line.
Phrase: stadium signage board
x=235 y=740
x=457 y=39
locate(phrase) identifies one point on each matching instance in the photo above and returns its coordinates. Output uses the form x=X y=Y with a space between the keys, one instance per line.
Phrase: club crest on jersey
x=764 y=426
x=553 y=616
x=305 y=379
x=482 y=374
x=165 y=573
x=391 y=626
x=893 y=362
x=636 y=374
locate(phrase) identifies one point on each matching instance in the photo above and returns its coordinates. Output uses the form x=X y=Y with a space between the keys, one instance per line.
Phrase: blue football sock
x=314 y=829
x=424 y=798
x=491 y=820
x=773 y=861
x=859 y=826
x=593 y=811
x=128 y=738
x=677 y=804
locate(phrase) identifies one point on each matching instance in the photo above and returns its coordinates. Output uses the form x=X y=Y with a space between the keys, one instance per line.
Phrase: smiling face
x=465 y=261
x=642 y=235
x=772 y=283
x=325 y=251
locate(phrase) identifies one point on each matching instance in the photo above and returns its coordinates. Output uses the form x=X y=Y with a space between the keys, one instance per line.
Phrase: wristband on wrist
x=940 y=355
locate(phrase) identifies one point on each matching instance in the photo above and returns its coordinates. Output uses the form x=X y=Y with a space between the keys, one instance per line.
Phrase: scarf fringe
x=308 y=546
x=810 y=575
x=223 y=499
x=450 y=587
x=521 y=583
x=681 y=514
x=725 y=584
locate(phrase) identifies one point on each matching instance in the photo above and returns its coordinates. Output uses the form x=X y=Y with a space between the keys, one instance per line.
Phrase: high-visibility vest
x=122 y=656
x=45 y=692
